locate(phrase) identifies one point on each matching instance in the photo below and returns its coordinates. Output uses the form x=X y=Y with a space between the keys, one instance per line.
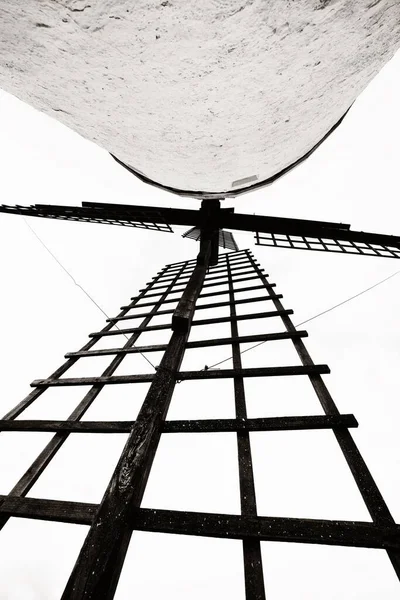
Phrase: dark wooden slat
x=201 y=307
x=221 y=293
x=239 y=254
x=188 y=426
x=70 y=426
x=247 y=339
x=110 y=351
x=309 y=531
x=221 y=268
x=217 y=277
x=260 y=424
x=183 y=314
x=242 y=263
x=101 y=380
x=261 y=315
x=169 y=277
x=249 y=288
x=185 y=376
x=47 y=510
x=139 y=316
x=257 y=372
x=206 y=285
x=304 y=531
x=265 y=337
x=252 y=558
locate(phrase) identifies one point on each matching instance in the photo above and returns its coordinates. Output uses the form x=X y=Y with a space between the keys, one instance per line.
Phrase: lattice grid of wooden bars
x=301 y=242
x=234 y=271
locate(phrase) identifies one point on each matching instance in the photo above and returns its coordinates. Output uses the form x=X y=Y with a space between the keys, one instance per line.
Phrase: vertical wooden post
x=97 y=570
x=209 y=218
x=252 y=559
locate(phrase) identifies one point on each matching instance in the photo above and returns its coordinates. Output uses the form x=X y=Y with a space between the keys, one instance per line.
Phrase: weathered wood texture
x=305 y=531
x=188 y=426
x=252 y=559
x=220 y=293
x=201 y=307
x=249 y=527
x=244 y=339
x=215 y=321
x=183 y=314
x=184 y=376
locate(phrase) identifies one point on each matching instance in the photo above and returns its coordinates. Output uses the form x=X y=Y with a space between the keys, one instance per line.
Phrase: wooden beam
x=245 y=289
x=183 y=314
x=206 y=285
x=79 y=513
x=309 y=531
x=185 y=376
x=187 y=426
x=244 y=339
x=201 y=307
x=270 y=529
x=261 y=315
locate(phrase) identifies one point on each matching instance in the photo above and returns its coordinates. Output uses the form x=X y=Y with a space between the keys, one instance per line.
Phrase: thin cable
x=79 y=285
x=314 y=317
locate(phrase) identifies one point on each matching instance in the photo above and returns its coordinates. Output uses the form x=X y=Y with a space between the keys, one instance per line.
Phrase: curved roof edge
x=201 y=195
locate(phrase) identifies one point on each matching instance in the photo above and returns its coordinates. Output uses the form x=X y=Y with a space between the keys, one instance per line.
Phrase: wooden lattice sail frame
x=175 y=291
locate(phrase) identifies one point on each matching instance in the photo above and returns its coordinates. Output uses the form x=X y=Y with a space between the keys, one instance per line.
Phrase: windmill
x=112 y=522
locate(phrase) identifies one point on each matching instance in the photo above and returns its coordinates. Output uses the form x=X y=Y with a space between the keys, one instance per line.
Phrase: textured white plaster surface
x=197 y=95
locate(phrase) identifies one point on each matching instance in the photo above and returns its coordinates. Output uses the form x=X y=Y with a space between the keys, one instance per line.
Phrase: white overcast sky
x=352 y=178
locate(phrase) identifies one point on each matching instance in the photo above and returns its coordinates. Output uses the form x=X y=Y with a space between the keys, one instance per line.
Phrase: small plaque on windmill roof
x=208 y=98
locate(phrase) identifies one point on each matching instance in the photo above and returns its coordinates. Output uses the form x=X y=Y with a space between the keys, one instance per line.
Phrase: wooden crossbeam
x=306 y=531
x=201 y=307
x=187 y=426
x=80 y=513
x=244 y=339
x=232 y=258
x=186 y=376
x=217 y=277
x=268 y=529
x=177 y=290
x=262 y=315
x=220 y=293
x=185 y=275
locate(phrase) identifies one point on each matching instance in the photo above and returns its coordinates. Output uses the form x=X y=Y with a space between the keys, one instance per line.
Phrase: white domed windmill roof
x=206 y=99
